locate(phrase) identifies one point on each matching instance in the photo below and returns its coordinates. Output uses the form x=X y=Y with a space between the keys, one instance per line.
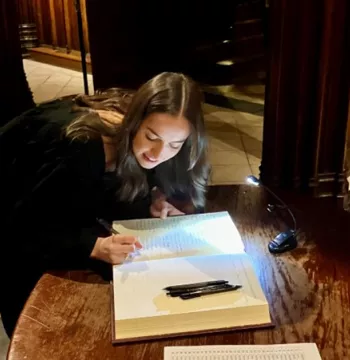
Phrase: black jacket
x=53 y=189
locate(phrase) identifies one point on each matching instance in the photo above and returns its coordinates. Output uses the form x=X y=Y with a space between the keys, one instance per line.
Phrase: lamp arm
x=284 y=205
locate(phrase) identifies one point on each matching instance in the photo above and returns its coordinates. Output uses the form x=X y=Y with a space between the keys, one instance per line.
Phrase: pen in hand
x=106 y=226
x=111 y=230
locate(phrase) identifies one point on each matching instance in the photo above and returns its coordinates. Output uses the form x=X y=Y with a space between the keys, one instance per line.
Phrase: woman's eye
x=175 y=147
x=150 y=138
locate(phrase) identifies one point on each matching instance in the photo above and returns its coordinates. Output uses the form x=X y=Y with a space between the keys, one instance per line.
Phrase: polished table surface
x=68 y=317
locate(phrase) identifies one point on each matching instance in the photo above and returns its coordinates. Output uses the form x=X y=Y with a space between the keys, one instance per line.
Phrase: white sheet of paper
x=183 y=235
x=302 y=351
x=141 y=284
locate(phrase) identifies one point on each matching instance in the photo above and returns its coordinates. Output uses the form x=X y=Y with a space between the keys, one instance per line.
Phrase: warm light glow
x=189 y=235
x=226 y=62
x=252 y=180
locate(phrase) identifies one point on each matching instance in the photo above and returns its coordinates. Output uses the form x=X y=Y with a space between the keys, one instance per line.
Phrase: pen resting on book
x=189 y=291
x=195 y=294
x=195 y=285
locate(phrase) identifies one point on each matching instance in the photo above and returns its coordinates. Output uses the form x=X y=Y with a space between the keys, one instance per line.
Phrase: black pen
x=105 y=224
x=195 y=285
x=178 y=292
x=195 y=294
x=109 y=228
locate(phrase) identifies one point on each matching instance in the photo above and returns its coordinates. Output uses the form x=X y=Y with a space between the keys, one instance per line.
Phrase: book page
x=188 y=235
x=141 y=284
x=305 y=351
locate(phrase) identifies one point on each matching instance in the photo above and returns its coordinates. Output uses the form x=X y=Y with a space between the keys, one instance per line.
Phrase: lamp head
x=286 y=240
x=252 y=180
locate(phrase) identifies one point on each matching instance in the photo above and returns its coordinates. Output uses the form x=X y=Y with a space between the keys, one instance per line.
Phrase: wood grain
x=53 y=23
x=68 y=26
x=85 y=25
x=308 y=289
x=25 y=11
x=346 y=163
x=307 y=93
x=46 y=20
x=60 y=23
x=56 y=21
x=39 y=20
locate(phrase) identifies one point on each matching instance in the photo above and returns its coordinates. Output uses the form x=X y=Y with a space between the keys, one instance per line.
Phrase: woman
x=67 y=163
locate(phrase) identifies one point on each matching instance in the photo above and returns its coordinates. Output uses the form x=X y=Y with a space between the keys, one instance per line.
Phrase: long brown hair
x=170 y=93
x=89 y=124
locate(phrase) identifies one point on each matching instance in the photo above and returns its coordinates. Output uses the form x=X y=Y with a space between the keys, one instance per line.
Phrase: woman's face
x=159 y=138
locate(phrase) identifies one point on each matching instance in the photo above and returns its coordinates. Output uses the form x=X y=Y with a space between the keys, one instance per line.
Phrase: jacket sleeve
x=71 y=199
x=53 y=192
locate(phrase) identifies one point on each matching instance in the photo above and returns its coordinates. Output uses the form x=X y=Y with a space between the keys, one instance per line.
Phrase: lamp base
x=285 y=241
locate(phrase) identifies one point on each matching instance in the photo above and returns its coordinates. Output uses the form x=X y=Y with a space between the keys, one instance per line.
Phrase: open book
x=181 y=250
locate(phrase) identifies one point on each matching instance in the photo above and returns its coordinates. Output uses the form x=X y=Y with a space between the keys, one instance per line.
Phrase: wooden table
x=307 y=289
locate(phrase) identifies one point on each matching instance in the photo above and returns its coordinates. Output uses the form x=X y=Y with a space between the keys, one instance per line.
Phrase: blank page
x=138 y=286
x=305 y=351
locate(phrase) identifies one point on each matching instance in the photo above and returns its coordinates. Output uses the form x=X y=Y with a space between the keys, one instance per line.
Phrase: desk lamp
x=286 y=240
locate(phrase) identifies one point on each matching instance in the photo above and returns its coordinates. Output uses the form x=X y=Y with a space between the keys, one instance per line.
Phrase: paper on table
x=155 y=275
x=189 y=235
x=302 y=351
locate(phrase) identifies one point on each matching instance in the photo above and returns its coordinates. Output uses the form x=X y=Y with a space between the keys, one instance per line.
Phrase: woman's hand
x=110 y=117
x=161 y=208
x=115 y=248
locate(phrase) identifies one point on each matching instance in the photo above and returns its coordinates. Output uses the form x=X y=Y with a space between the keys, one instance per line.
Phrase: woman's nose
x=157 y=150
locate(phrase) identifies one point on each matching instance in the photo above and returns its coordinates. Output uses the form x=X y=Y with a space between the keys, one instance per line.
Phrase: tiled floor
x=235 y=141
x=234 y=136
x=47 y=81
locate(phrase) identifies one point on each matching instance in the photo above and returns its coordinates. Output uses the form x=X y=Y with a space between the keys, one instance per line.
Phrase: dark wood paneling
x=39 y=20
x=118 y=62
x=60 y=23
x=46 y=19
x=53 y=12
x=85 y=24
x=68 y=24
x=346 y=161
x=15 y=96
x=56 y=22
x=73 y=25
x=306 y=95
x=25 y=11
x=332 y=95
x=127 y=45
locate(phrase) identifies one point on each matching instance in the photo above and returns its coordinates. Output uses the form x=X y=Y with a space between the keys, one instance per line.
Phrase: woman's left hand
x=161 y=208
x=111 y=117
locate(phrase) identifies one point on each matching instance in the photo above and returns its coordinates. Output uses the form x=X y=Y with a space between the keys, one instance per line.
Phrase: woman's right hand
x=115 y=248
